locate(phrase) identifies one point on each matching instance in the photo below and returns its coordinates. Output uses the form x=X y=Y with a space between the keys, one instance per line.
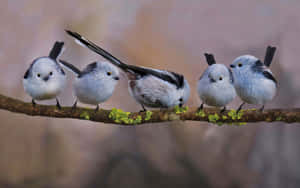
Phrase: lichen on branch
x=118 y=116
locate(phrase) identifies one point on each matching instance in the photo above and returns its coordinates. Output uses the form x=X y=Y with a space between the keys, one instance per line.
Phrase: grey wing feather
x=269 y=75
x=88 y=69
x=258 y=66
x=261 y=68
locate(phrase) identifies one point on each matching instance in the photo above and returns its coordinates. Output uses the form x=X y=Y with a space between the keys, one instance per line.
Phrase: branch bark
x=212 y=115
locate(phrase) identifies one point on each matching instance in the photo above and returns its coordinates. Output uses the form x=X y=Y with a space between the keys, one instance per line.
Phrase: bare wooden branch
x=124 y=118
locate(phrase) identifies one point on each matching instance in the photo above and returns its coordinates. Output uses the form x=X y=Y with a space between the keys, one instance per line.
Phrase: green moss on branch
x=117 y=116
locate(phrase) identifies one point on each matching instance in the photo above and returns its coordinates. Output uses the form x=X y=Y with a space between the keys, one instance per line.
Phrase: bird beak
x=232 y=66
x=46 y=78
x=212 y=80
x=116 y=78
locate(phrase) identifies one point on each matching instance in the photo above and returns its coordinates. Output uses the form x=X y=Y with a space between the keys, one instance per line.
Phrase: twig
x=119 y=117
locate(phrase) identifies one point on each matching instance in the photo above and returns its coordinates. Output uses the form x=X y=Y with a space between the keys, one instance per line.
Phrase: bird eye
x=240 y=64
x=38 y=75
x=180 y=99
x=51 y=73
x=220 y=78
x=108 y=73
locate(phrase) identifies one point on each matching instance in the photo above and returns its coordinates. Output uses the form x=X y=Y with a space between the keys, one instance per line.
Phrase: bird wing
x=88 y=69
x=269 y=75
x=261 y=68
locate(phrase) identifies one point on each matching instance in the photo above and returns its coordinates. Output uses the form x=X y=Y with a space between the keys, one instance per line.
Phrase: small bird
x=253 y=80
x=95 y=84
x=45 y=79
x=149 y=87
x=215 y=86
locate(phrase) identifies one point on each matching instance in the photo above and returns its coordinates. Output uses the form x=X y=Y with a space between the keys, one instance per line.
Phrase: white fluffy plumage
x=215 y=86
x=45 y=79
x=253 y=80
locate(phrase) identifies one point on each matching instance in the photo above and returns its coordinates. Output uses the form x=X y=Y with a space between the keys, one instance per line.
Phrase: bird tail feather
x=57 y=50
x=95 y=48
x=269 y=55
x=70 y=67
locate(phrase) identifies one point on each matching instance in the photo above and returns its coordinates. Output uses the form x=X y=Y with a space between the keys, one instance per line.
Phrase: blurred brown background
x=169 y=34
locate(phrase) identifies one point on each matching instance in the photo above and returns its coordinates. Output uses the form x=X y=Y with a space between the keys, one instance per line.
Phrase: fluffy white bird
x=95 y=84
x=215 y=86
x=253 y=80
x=45 y=79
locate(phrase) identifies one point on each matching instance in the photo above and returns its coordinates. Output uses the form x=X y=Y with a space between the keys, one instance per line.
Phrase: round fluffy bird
x=253 y=80
x=215 y=86
x=45 y=79
x=94 y=84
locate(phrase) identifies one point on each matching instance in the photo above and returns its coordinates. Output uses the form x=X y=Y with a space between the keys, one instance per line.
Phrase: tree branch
x=115 y=116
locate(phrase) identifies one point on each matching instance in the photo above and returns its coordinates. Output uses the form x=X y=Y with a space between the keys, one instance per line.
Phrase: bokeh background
x=169 y=34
